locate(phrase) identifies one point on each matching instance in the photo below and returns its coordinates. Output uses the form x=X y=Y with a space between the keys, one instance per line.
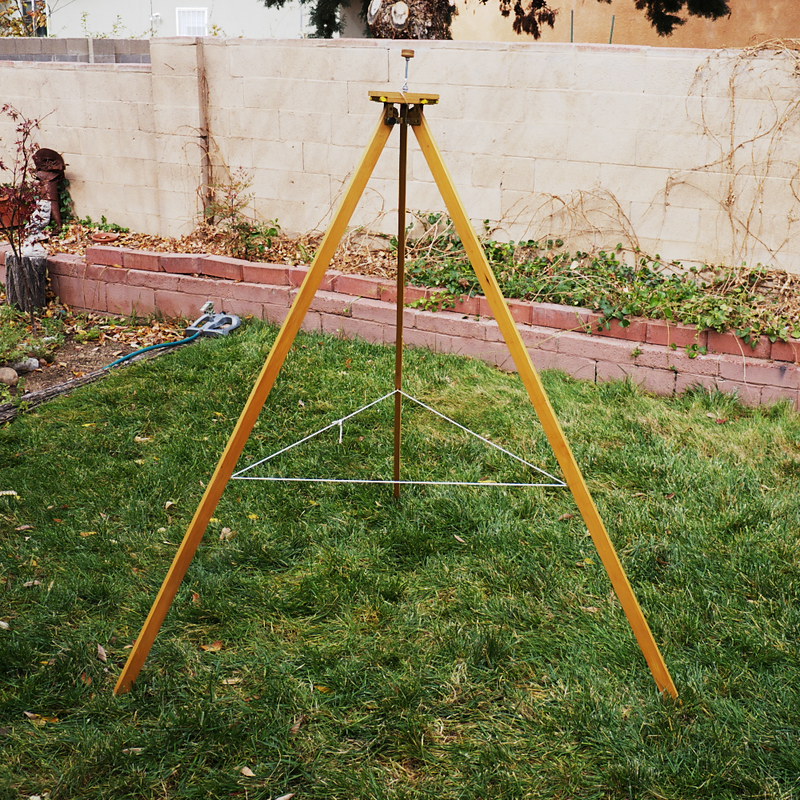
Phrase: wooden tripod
x=404 y=109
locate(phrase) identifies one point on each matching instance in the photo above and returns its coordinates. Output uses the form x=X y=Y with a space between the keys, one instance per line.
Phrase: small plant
x=242 y=235
x=438 y=301
x=19 y=190
x=104 y=225
x=23 y=19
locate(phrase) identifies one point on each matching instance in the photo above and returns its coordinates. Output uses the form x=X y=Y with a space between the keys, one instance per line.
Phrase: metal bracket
x=415 y=115
x=214 y=325
x=391 y=115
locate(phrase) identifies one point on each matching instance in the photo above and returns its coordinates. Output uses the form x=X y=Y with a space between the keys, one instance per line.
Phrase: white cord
x=240 y=475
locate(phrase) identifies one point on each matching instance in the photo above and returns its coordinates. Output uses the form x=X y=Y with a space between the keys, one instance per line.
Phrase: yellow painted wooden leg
x=252 y=409
x=550 y=424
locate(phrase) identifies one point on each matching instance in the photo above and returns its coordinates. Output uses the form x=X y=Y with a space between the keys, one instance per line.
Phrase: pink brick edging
x=651 y=353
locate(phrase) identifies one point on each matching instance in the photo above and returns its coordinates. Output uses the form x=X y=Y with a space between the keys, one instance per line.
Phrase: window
x=192 y=21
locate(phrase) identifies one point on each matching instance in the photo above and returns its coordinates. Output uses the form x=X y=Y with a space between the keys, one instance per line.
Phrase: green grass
x=462 y=643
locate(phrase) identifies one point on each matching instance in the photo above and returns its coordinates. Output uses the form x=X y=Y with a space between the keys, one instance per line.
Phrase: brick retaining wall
x=651 y=353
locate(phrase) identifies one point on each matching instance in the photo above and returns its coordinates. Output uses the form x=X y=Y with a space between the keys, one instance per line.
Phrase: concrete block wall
x=595 y=144
x=89 y=51
x=651 y=353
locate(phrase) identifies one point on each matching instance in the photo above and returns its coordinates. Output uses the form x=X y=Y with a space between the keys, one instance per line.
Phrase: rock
x=27 y=365
x=8 y=376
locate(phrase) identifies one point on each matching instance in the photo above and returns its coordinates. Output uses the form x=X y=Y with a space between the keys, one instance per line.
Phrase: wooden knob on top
x=407 y=53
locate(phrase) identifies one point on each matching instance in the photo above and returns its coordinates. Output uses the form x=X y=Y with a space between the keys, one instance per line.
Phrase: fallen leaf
x=590 y=609
x=86 y=679
x=459 y=539
x=4 y=625
x=323 y=689
x=231 y=681
x=24 y=528
x=132 y=751
x=89 y=424
x=168 y=505
x=247 y=772
x=670 y=496
x=587 y=562
x=564 y=517
x=88 y=533
x=295 y=729
x=286 y=796
x=8 y=493
x=195 y=597
x=214 y=647
x=29 y=584
x=226 y=534
x=142 y=439
x=101 y=653
x=252 y=516
x=301 y=404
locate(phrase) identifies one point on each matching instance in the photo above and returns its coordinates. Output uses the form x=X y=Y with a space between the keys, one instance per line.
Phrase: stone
x=8 y=376
x=26 y=365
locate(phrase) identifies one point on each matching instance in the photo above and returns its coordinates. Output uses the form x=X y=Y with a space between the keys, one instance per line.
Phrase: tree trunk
x=26 y=282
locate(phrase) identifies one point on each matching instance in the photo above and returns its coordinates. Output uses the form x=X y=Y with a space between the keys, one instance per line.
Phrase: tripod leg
x=540 y=401
x=247 y=419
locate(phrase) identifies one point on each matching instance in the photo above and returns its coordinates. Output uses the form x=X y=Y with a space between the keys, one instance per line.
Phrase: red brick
x=566 y=318
x=786 y=351
x=69 y=290
x=774 y=394
x=312 y=322
x=94 y=295
x=182 y=263
x=200 y=287
x=688 y=380
x=733 y=345
x=388 y=293
x=95 y=272
x=153 y=280
x=333 y=303
x=349 y=328
x=66 y=264
x=443 y=322
x=583 y=369
x=375 y=310
x=360 y=285
x=521 y=311
x=107 y=256
x=598 y=348
x=666 y=333
x=272 y=274
x=258 y=293
x=774 y=373
x=749 y=394
x=129 y=300
x=223 y=267
x=298 y=274
x=416 y=338
x=536 y=338
x=414 y=293
x=273 y=313
x=142 y=259
x=491 y=352
x=471 y=305
x=247 y=308
x=658 y=381
x=175 y=304
x=634 y=331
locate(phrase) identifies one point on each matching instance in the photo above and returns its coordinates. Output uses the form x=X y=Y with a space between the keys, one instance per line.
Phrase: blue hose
x=152 y=347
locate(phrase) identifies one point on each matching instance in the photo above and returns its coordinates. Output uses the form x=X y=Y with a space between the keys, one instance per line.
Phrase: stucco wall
x=685 y=153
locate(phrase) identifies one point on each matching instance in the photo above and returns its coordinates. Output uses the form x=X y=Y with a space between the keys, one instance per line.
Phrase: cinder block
x=748 y=393
x=350 y=328
x=106 y=274
x=258 y=293
x=298 y=274
x=772 y=394
x=595 y=347
x=417 y=338
x=634 y=331
x=537 y=338
x=469 y=305
x=94 y=295
x=446 y=323
x=687 y=380
x=68 y=289
x=577 y=366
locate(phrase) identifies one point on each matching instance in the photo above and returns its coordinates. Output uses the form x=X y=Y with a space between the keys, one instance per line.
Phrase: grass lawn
x=331 y=643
